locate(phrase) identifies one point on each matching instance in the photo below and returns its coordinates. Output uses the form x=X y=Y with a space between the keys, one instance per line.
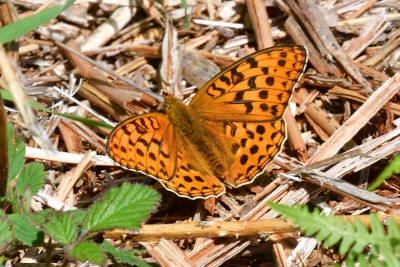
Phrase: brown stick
x=259 y=19
x=3 y=150
x=187 y=230
x=361 y=117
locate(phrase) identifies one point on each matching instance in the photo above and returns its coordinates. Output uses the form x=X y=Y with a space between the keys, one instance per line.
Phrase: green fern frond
x=391 y=168
x=383 y=246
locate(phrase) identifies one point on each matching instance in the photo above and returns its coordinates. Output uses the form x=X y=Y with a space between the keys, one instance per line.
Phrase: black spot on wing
x=252 y=82
x=225 y=80
x=263 y=94
x=270 y=81
x=265 y=70
x=237 y=77
x=243 y=159
x=239 y=96
x=252 y=62
x=283 y=54
x=260 y=129
x=254 y=149
x=249 y=107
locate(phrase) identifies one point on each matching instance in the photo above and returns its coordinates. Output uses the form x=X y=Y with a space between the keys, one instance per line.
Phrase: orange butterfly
x=229 y=133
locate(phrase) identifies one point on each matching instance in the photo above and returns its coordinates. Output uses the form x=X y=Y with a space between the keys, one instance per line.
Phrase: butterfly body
x=204 y=153
x=229 y=133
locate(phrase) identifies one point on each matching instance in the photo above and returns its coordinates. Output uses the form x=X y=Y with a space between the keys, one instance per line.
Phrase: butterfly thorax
x=204 y=151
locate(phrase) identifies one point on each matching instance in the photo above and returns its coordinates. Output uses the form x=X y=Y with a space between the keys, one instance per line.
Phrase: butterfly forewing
x=255 y=88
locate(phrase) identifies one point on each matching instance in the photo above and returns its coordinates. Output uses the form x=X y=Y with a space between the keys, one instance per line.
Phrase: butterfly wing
x=145 y=143
x=255 y=88
x=248 y=100
x=253 y=146
x=192 y=183
x=149 y=144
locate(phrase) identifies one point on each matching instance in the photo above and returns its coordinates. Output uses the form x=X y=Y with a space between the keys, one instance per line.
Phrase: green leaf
x=362 y=261
x=125 y=207
x=16 y=153
x=347 y=240
x=393 y=229
x=123 y=256
x=39 y=218
x=187 y=22
x=19 y=28
x=5 y=233
x=31 y=178
x=392 y=167
x=332 y=240
x=62 y=227
x=24 y=229
x=88 y=251
x=376 y=226
x=323 y=234
x=390 y=258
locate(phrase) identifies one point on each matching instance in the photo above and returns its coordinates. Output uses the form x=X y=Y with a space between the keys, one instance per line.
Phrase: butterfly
x=229 y=133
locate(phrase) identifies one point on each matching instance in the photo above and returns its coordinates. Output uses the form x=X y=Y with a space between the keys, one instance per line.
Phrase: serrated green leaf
x=38 y=218
x=31 y=178
x=16 y=153
x=24 y=230
x=5 y=233
x=61 y=226
x=88 y=251
x=123 y=256
x=125 y=207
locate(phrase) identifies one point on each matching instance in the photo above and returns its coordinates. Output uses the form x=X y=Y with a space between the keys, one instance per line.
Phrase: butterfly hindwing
x=255 y=147
x=192 y=183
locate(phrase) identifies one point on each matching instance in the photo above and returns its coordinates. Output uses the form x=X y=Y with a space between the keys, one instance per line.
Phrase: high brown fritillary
x=232 y=129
